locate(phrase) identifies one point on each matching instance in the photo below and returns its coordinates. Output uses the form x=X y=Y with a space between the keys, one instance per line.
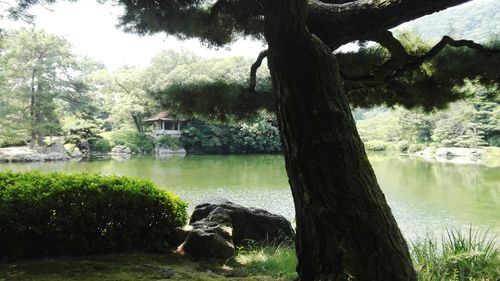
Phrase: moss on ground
x=124 y=268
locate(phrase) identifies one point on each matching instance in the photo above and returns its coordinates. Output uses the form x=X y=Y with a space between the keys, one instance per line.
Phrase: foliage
x=137 y=142
x=257 y=135
x=376 y=145
x=121 y=94
x=202 y=137
x=460 y=257
x=260 y=135
x=100 y=145
x=168 y=141
x=84 y=214
x=42 y=79
x=81 y=132
x=468 y=123
x=213 y=89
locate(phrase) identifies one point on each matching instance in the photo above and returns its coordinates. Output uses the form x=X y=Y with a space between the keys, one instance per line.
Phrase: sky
x=92 y=30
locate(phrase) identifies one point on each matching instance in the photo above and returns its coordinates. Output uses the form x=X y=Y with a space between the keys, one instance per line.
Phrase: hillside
x=478 y=20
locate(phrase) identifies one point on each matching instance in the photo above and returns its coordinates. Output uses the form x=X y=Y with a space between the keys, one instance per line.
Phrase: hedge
x=53 y=214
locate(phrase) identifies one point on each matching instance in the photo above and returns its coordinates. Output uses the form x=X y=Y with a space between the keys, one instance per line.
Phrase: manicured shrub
x=376 y=145
x=100 y=145
x=77 y=214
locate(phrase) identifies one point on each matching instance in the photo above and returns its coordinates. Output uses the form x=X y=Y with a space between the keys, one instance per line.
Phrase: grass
x=127 y=267
x=276 y=260
x=459 y=256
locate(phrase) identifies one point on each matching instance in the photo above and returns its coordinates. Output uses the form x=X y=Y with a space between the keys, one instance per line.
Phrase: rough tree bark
x=345 y=229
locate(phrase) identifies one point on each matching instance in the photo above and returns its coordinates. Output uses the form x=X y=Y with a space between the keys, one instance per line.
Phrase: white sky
x=91 y=29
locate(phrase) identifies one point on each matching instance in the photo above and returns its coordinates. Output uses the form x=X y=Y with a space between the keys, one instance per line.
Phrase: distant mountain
x=478 y=20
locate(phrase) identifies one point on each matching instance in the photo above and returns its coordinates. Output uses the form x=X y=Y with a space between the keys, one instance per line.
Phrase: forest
x=48 y=94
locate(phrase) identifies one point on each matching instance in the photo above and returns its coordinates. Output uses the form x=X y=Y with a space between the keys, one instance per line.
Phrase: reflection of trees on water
x=468 y=194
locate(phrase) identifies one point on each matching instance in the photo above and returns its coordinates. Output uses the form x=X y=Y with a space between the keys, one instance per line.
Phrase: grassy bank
x=459 y=256
x=128 y=267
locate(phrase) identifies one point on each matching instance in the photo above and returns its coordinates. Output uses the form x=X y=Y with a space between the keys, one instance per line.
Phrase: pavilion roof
x=162 y=116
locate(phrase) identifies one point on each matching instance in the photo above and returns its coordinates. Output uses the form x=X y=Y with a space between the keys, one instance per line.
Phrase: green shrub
x=201 y=137
x=402 y=146
x=259 y=135
x=414 y=147
x=171 y=142
x=460 y=257
x=376 y=145
x=138 y=143
x=84 y=214
x=100 y=145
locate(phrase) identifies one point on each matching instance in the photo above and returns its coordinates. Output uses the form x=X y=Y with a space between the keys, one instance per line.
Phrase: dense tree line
x=469 y=123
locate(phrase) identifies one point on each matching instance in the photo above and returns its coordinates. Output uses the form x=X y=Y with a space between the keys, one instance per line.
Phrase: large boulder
x=121 y=149
x=216 y=227
x=56 y=147
x=210 y=237
x=248 y=223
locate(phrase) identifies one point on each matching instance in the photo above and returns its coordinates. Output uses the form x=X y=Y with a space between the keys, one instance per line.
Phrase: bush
x=138 y=143
x=402 y=146
x=414 y=147
x=100 y=145
x=259 y=135
x=84 y=214
x=376 y=145
x=170 y=142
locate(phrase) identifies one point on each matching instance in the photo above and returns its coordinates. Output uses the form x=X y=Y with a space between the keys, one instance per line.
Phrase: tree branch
x=253 y=70
x=401 y=61
x=338 y=24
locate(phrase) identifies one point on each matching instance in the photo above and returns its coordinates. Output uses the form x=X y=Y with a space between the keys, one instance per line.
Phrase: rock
x=459 y=152
x=426 y=153
x=120 y=157
x=55 y=156
x=56 y=147
x=76 y=153
x=121 y=149
x=217 y=226
x=210 y=237
x=27 y=157
x=165 y=150
x=248 y=223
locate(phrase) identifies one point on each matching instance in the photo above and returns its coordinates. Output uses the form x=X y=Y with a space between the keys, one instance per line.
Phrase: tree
x=122 y=95
x=345 y=229
x=41 y=74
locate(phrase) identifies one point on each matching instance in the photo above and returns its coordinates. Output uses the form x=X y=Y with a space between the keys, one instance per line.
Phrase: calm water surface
x=424 y=196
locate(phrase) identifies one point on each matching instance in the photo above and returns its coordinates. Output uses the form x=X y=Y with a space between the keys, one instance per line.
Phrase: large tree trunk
x=345 y=229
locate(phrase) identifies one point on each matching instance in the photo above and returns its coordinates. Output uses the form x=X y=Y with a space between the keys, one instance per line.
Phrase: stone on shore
x=218 y=226
x=121 y=149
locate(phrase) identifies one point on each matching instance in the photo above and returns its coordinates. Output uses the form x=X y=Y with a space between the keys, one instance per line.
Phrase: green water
x=424 y=196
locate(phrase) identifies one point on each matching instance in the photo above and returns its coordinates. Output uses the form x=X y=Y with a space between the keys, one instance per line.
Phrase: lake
x=426 y=197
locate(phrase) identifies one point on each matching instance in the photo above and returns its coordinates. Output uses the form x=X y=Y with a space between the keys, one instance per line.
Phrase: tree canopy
x=40 y=73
